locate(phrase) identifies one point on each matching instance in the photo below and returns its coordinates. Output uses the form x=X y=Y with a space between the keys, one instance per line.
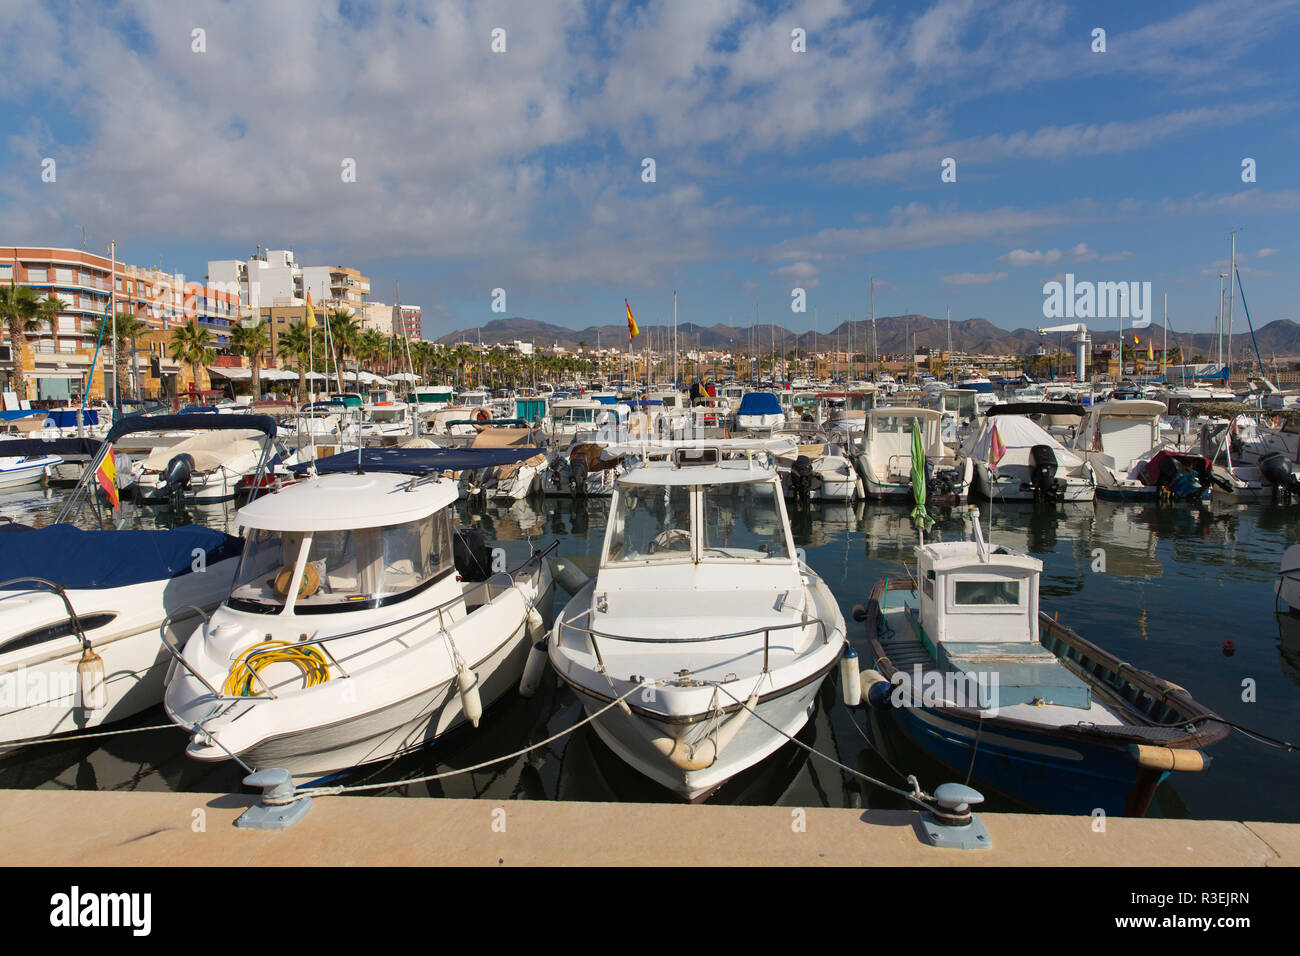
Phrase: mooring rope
x=107 y=733
x=918 y=796
x=334 y=791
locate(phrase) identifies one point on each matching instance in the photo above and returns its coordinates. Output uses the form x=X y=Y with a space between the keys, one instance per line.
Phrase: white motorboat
x=354 y=632
x=89 y=653
x=760 y=413
x=885 y=462
x=1033 y=465
x=816 y=467
x=30 y=468
x=701 y=601
x=1129 y=459
x=1251 y=458
x=209 y=465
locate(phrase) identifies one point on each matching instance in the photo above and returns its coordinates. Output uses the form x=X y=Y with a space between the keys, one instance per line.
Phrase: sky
x=795 y=145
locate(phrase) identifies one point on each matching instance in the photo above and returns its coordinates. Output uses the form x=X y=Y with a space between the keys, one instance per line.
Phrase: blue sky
x=522 y=170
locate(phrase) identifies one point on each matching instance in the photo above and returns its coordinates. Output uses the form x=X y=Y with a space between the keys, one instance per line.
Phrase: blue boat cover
x=22 y=447
x=418 y=461
x=81 y=560
x=15 y=415
x=67 y=417
x=759 y=403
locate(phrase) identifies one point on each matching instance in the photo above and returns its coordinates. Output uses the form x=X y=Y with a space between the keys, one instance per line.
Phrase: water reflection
x=1171 y=584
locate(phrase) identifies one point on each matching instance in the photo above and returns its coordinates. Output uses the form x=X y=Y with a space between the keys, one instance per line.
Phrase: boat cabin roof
x=711 y=473
x=339 y=502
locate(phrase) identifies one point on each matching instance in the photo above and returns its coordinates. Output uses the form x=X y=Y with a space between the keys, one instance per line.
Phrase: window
x=63 y=275
x=35 y=275
x=360 y=568
x=986 y=593
x=651 y=523
x=743 y=520
x=40 y=635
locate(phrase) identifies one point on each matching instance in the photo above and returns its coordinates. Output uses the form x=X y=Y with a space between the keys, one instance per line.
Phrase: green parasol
x=920 y=517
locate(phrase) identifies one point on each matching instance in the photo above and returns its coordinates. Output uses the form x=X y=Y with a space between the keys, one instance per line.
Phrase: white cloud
x=1024 y=257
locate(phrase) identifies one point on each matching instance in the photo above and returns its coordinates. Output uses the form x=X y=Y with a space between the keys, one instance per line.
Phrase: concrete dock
x=88 y=828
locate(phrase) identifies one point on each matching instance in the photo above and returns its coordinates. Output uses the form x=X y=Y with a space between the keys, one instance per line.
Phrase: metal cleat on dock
x=953 y=826
x=279 y=807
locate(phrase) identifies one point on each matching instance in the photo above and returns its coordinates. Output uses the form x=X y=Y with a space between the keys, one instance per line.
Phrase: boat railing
x=63 y=596
x=804 y=621
x=439 y=609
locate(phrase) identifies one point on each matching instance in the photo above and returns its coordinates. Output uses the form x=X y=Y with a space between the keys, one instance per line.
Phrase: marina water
x=1162 y=587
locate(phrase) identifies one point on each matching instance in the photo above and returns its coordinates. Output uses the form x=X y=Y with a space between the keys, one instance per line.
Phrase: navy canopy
x=759 y=403
x=418 y=461
x=80 y=559
x=63 y=447
x=1037 y=408
x=195 y=422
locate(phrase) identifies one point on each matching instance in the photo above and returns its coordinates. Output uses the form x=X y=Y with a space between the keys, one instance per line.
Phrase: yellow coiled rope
x=315 y=669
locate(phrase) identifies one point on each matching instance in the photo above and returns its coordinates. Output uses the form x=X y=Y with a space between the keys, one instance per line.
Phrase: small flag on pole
x=311 y=315
x=106 y=475
x=1151 y=350
x=632 y=330
x=996 y=448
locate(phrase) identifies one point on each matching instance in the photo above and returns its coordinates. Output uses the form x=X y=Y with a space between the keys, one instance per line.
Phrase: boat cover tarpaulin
x=91 y=560
x=420 y=461
x=67 y=417
x=759 y=410
x=1019 y=435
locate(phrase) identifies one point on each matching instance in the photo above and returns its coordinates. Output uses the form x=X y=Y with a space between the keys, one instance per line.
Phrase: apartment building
x=57 y=360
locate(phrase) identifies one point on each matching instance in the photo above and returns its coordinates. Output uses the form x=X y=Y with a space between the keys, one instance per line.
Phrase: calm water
x=1178 y=581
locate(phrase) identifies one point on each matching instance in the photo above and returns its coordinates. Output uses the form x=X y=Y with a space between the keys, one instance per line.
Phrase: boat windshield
x=651 y=523
x=350 y=569
x=743 y=521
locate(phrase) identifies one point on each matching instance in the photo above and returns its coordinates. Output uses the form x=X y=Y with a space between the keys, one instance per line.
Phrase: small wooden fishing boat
x=994 y=688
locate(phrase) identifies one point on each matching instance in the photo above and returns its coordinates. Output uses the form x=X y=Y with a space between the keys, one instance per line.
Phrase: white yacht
x=885 y=462
x=701 y=602
x=90 y=653
x=1030 y=464
x=353 y=633
x=1121 y=443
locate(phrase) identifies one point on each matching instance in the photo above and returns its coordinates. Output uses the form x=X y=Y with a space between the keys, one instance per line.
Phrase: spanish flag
x=632 y=330
x=106 y=475
x=311 y=316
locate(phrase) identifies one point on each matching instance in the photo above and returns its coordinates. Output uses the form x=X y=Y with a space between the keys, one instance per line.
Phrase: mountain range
x=975 y=336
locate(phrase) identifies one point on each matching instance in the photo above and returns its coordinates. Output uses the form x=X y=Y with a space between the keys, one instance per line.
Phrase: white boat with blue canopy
x=81 y=609
x=984 y=680
x=759 y=412
x=361 y=625
x=702 y=601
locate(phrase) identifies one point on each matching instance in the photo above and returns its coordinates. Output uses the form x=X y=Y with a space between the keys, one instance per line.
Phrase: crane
x=1081 y=342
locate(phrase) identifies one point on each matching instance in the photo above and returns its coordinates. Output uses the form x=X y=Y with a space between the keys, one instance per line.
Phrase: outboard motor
x=1042 y=475
x=471 y=556
x=176 y=478
x=578 y=475
x=1276 y=472
x=557 y=472
x=801 y=478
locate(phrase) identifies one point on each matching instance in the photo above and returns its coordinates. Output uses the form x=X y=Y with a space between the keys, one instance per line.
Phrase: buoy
x=859 y=613
x=850 y=678
x=569 y=576
x=470 y=702
x=533 y=670
x=876 y=690
x=90 y=676
x=1229 y=648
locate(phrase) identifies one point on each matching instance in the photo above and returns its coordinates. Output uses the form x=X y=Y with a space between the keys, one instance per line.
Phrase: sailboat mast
x=1232 y=278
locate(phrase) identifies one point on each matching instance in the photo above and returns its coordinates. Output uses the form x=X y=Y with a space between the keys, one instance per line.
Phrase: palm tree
x=343 y=332
x=127 y=327
x=192 y=344
x=294 y=344
x=19 y=306
x=48 y=315
x=371 y=346
x=251 y=341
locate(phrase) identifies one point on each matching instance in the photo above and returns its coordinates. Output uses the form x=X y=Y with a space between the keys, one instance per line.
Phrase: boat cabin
x=1123 y=431
x=978 y=616
x=345 y=542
